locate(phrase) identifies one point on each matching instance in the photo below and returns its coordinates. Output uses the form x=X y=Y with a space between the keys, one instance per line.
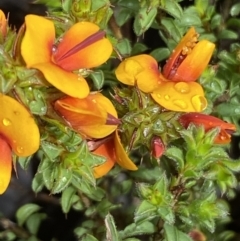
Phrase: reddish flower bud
x=157 y=146
x=210 y=122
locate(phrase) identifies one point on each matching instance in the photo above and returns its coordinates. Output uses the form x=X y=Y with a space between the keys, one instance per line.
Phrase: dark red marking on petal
x=86 y=42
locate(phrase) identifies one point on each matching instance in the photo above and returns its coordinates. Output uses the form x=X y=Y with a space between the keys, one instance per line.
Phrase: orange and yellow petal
x=18 y=127
x=69 y=83
x=37 y=43
x=106 y=150
x=189 y=58
x=88 y=116
x=3 y=24
x=190 y=38
x=90 y=56
x=180 y=96
x=122 y=158
x=5 y=164
x=141 y=70
x=209 y=122
x=195 y=62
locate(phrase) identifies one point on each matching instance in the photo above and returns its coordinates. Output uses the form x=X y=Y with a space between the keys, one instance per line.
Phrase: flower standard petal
x=38 y=40
x=140 y=70
x=5 y=164
x=18 y=127
x=195 y=62
x=67 y=82
x=88 y=116
x=209 y=122
x=122 y=158
x=189 y=58
x=180 y=96
x=92 y=48
x=106 y=150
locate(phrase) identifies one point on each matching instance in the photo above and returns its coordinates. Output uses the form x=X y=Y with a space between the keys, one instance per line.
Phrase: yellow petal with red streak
x=194 y=64
x=189 y=37
x=5 y=164
x=18 y=127
x=91 y=56
x=88 y=116
x=180 y=96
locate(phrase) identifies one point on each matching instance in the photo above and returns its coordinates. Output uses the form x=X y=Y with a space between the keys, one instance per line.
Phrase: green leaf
x=173 y=234
x=123 y=16
x=124 y=47
x=137 y=229
x=25 y=211
x=67 y=198
x=50 y=150
x=97 y=78
x=176 y=155
x=138 y=48
x=160 y=54
x=144 y=20
x=111 y=231
x=235 y=9
x=37 y=183
x=34 y=221
x=166 y=213
x=89 y=237
x=227 y=34
x=172 y=8
x=146 y=211
x=228 y=109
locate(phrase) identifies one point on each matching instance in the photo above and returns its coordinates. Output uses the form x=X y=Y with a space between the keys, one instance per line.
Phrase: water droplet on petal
x=159 y=96
x=94 y=101
x=199 y=102
x=54 y=48
x=6 y=122
x=167 y=97
x=20 y=149
x=180 y=103
x=182 y=87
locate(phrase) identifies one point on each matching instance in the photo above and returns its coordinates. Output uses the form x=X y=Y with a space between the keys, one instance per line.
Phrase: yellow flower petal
x=180 y=96
x=88 y=116
x=3 y=24
x=106 y=150
x=190 y=37
x=37 y=43
x=18 y=127
x=140 y=70
x=122 y=158
x=92 y=55
x=189 y=58
x=67 y=82
x=5 y=164
x=194 y=64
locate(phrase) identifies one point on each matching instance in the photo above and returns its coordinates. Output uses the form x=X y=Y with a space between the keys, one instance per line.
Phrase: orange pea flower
x=3 y=24
x=210 y=122
x=175 y=89
x=93 y=116
x=18 y=133
x=114 y=153
x=82 y=46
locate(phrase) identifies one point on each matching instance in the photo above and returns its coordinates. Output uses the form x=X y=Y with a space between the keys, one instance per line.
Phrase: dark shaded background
x=57 y=225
